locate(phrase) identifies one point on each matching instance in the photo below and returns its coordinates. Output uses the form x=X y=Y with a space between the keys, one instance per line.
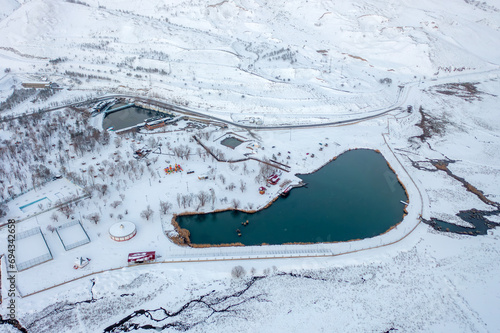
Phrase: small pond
x=355 y=196
x=231 y=142
x=128 y=117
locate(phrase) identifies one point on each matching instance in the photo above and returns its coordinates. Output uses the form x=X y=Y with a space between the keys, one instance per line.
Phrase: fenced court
x=31 y=249
x=72 y=234
x=36 y=205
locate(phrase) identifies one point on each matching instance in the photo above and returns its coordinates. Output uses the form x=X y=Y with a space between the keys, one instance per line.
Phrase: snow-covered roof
x=122 y=229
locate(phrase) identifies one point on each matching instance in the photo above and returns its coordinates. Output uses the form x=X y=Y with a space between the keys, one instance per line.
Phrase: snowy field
x=72 y=235
x=408 y=287
x=429 y=72
x=31 y=249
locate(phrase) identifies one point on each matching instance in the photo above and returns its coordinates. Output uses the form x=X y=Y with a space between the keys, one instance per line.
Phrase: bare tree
x=243 y=186
x=236 y=203
x=165 y=207
x=67 y=210
x=222 y=179
x=3 y=209
x=238 y=272
x=51 y=228
x=264 y=172
x=147 y=213
x=179 y=200
x=189 y=199
x=115 y=204
x=102 y=189
x=202 y=197
x=94 y=217
x=213 y=197
x=231 y=187
x=54 y=217
x=182 y=151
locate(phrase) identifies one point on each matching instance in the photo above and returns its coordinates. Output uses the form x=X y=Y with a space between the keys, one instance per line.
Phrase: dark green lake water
x=355 y=196
x=128 y=117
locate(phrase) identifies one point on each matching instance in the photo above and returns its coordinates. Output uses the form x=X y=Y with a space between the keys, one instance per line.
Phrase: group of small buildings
x=103 y=106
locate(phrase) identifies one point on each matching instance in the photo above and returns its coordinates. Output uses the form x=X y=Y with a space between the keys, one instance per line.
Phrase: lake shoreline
x=183 y=235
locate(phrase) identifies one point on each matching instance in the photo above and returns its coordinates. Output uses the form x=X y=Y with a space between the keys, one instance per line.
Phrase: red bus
x=141 y=257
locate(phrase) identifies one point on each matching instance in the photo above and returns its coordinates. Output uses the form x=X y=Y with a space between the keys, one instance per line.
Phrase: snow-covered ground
x=252 y=62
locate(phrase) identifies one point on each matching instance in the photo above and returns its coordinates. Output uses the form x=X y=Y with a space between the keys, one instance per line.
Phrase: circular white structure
x=122 y=231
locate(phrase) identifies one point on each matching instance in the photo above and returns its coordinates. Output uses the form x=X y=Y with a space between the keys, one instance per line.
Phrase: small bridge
x=118 y=108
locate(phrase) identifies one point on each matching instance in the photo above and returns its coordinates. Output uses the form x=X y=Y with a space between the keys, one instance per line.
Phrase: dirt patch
x=430 y=126
x=443 y=166
x=355 y=57
x=467 y=91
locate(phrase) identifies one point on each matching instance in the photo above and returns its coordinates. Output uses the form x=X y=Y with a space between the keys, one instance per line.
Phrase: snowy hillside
x=251 y=56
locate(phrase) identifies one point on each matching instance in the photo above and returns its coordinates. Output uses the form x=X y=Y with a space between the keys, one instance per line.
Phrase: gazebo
x=122 y=231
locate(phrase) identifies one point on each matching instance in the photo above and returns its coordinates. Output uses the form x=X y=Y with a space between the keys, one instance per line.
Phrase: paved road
x=401 y=99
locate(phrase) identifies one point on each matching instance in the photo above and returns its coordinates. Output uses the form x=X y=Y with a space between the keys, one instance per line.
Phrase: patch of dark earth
x=467 y=90
x=430 y=126
x=14 y=323
x=192 y=313
x=355 y=275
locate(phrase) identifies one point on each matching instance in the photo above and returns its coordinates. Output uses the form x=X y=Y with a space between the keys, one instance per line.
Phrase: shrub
x=238 y=272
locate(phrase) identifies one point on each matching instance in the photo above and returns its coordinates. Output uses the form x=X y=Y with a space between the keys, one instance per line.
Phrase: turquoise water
x=231 y=142
x=27 y=207
x=355 y=196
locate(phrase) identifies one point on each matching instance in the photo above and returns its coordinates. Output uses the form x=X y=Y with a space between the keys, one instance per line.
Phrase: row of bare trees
x=201 y=199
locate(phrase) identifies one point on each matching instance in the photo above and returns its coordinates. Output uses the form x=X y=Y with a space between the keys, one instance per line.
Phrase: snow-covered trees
x=238 y=272
x=66 y=210
x=102 y=189
x=3 y=210
x=54 y=217
x=202 y=198
x=147 y=213
x=182 y=151
x=165 y=207
x=236 y=203
x=94 y=217
x=115 y=204
x=265 y=171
